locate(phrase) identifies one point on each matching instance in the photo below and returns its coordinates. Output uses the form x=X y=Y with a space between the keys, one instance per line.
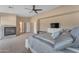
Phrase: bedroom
x=37 y=20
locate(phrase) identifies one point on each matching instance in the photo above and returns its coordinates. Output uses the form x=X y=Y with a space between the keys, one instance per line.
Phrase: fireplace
x=9 y=31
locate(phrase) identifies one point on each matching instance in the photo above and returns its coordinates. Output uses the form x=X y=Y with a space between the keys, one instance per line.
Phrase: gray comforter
x=44 y=43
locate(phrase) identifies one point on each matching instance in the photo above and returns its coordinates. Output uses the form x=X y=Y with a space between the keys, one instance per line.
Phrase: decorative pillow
x=75 y=35
x=55 y=35
x=75 y=32
x=55 y=32
x=63 y=41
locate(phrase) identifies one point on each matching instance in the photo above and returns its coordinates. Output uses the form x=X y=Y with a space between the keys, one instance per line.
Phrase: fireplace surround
x=7 y=31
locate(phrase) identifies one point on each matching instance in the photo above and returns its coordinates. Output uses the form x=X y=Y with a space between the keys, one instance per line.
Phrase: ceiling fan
x=34 y=9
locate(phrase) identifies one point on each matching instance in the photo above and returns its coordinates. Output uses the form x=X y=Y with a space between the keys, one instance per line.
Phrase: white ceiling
x=21 y=11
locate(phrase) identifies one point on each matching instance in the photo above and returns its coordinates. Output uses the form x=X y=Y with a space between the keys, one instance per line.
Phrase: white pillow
x=54 y=35
x=55 y=32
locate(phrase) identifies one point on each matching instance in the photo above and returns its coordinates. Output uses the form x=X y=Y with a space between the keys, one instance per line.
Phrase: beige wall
x=27 y=24
x=18 y=29
x=24 y=21
x=8 y=20
x=67 y=16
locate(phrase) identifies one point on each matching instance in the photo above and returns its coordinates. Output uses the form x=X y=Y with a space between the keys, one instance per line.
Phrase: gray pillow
x=63 y=41
x=75 y=32
x=75 y=35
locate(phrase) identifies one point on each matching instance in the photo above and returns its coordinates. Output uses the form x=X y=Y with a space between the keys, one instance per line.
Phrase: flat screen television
x=55 y=25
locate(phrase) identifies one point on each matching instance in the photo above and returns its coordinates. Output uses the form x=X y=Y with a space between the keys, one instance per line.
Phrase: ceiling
x=21 y=11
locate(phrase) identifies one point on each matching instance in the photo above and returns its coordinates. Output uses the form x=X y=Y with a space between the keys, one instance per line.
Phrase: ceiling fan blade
x=38 y=9
x=36 y=12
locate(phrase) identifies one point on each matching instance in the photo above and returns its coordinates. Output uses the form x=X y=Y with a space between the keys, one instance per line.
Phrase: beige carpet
x=15 y=44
